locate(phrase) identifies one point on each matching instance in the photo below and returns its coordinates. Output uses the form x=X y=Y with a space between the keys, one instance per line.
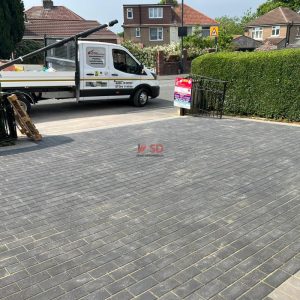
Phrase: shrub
x=148 y=55
x=264 y=84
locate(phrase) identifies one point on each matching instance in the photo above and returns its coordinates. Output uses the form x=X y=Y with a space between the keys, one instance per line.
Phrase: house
x=157 y=24
x=280 y=27
x=60 y=22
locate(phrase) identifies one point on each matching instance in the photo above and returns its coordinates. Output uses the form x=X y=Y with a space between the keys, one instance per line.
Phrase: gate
x=208 y=96
x=8 y=130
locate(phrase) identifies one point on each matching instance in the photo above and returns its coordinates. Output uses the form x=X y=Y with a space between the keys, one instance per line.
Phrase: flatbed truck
x=98 y=71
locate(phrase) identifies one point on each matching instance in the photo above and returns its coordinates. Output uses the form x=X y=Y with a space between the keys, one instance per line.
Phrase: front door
x=94 y=65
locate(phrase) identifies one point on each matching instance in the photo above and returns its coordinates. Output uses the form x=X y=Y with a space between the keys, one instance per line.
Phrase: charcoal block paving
x=215 y=216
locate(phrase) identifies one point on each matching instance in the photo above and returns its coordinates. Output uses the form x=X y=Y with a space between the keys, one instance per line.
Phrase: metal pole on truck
x=58 y=44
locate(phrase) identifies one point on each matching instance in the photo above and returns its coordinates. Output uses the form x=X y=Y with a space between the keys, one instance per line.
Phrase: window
x=189 y=30
x=275 y=30
x=156 y=34
x=129 y=13
x=124 y=62
x=155 y=13
x=138 y=32
x=205 y=31
x=257 y=33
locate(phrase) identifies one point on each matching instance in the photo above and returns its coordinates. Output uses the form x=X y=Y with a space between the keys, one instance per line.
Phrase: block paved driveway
x=215 y=217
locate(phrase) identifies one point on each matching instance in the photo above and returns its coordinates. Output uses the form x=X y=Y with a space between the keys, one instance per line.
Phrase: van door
x=125 y=72
x=94 y=65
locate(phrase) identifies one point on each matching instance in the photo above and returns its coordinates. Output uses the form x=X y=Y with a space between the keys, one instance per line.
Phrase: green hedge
x=264 y=84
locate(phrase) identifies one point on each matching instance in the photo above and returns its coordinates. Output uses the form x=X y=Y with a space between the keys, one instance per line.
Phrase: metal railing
x=208 y=96
x=8 y=129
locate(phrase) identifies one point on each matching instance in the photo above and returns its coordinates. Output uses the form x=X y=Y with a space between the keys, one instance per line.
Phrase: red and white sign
x=183 y=93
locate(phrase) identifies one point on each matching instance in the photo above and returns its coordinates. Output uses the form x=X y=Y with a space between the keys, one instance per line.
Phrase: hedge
x=264 y=84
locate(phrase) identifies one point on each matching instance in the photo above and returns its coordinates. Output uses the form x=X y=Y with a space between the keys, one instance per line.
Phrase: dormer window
x=129 y=13
x=155 y=12
x=275 y=30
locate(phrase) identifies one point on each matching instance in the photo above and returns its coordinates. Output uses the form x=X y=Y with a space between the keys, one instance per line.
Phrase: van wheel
x=25 y=103
x=140 y=98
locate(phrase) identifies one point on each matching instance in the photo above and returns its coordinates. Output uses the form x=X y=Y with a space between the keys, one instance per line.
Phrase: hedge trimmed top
x=265 y=84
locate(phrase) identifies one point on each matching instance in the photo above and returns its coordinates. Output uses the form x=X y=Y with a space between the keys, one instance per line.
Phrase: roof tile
x=62 y=28
x=55 y=13
x=193 y=17
x=279 y=15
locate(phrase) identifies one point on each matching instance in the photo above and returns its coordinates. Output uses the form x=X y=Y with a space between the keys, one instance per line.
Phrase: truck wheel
x=140 y=97
x=25 y=103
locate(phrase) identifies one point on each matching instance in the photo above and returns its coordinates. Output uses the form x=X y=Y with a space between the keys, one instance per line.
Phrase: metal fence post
x=208 y=96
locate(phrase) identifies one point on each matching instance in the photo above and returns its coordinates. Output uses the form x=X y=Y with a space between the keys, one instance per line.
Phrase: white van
x=102 y=71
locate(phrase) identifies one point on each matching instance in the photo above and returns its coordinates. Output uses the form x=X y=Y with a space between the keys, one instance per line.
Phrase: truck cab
x=112 y=71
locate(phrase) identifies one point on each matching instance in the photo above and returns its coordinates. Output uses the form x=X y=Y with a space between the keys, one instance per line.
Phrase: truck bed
x=12 y=79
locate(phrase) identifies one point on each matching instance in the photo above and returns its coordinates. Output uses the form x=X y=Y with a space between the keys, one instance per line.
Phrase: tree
x=173 y=2
x=195 y=40
x=225 y=41
x=12 y=25
x=248 y=16
x=272 y=4
x=27 y=46
x=235 y=25
x=230 y=26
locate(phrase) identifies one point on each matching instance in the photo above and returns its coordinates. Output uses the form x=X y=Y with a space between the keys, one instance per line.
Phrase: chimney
x=47 y=4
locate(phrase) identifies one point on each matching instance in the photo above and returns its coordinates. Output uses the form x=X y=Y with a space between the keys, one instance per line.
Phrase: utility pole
x=182 y=23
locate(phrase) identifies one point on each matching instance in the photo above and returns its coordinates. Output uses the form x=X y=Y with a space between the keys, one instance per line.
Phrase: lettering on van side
x=95 y=57
x=96 y=84
x=121 y=84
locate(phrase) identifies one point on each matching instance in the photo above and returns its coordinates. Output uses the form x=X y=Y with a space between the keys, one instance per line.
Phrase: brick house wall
x=267 y=32
x=171 y=68
x=130 y=34
x=169 y=21
x=141 y=15
x=141 y=20
x=295 y=34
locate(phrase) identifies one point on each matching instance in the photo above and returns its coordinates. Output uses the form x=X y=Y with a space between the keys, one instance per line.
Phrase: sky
x=107 y=10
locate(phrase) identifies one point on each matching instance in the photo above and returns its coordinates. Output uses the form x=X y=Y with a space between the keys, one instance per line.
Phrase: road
x=58 y=110
x=58 y=117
